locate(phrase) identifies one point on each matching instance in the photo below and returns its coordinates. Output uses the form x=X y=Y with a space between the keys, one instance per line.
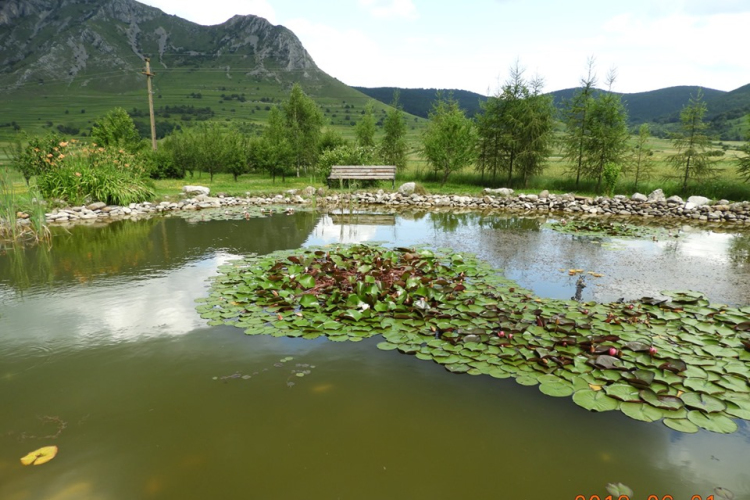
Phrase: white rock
x=195 y=190
x=697 y=201
x=639 y=197
x=407 y=188
x=675 y=199
x=499 y=191
x=657 y=195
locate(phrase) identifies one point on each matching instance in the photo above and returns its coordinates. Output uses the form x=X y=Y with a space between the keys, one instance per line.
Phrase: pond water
x=103 y=355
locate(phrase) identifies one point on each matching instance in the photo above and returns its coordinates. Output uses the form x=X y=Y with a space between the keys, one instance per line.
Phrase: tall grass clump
x=11 y=203
x=84 y=174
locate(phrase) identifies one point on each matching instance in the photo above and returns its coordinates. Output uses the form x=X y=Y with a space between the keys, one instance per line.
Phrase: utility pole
x=150 y=101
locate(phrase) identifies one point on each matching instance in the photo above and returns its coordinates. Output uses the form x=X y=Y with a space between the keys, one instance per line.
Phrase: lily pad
x=681 y=425
x=712 y=422
x=40 y=456
x=595 y=400
x=641 y=411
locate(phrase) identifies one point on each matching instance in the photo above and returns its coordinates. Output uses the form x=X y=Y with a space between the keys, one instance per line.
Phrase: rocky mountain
x=75 y=41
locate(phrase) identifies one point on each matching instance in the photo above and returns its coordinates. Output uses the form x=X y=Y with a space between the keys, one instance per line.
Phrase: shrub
x=161 y=164
x=610 y=175
x=89 y=174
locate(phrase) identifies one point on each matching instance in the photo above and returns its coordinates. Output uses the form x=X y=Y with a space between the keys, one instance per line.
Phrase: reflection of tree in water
x=450 y=222
x=739 y=250
x=85 y=253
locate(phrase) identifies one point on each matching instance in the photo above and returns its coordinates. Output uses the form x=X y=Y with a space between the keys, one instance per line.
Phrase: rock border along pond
x=655 y=205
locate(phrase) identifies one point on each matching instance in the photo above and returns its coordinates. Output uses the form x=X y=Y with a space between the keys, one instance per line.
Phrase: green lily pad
x=681 y=425
x=559 y=389
x=713 y=422
x=387 y=346
x=595 y=400
x=703 y=402
x=641 y=411
x=623 y=392
x=619 y=490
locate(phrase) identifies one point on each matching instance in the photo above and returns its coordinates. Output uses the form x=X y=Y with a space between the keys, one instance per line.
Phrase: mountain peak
x=69 y=39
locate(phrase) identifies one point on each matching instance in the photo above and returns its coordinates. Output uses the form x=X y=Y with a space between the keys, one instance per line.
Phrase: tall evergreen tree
x=693 y=158
x=577 y=119
x=515 y=129
x=640 y=161
x=536 y=131
x=393 y=145
x=608 y=132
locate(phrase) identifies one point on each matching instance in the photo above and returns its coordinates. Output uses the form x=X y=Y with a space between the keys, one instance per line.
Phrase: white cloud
x=703 y=7
x=343 y=54
x=219 y=12
x=390 y=8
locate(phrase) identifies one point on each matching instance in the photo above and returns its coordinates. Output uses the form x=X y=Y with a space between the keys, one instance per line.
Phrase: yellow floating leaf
x=595 y=275
x=595 y=387
x=40 y=456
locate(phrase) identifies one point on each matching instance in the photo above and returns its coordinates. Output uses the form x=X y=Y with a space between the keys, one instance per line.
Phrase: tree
x=116 y=129
x=640 y=159
x=608 y=132
x=273 y=152
x=743 y=163
x=393 y=145
x=365 y=128
x=449 y=141
x=693 y=157
x=515 y=128
x=303 y=122
x=578 y=122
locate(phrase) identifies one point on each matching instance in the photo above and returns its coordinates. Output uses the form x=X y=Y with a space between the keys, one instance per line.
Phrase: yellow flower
x=61 y=156
x=78 y=174
x=63 y=144
x=49 y=155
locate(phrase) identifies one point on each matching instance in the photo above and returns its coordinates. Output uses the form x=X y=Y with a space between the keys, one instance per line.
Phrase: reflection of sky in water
x=115 y=310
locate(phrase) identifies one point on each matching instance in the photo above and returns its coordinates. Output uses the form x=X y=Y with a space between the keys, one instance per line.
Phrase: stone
x=697 y=201
x=195 y=190
x=544 y=195
x=657 y=195
x=308 y=191
x=639 y=197
x=499 y=191
x=675 y=199
x=96 y=206
x=407 y=188
x=321 y=192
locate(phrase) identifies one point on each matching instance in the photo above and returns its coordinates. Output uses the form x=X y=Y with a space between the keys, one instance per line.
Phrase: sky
x=472 y=44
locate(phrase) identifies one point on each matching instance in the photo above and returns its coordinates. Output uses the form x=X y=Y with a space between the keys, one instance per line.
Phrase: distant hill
x=418 y=102
x=660 y=107
x=649 y=106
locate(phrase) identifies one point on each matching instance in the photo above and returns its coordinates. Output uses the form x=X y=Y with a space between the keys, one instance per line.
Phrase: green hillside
x=65 y=64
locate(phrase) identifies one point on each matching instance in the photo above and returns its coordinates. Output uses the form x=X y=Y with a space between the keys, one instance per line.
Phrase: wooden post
x=150 y=101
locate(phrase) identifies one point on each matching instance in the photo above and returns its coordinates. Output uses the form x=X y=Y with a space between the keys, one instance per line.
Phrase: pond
x=103 y=354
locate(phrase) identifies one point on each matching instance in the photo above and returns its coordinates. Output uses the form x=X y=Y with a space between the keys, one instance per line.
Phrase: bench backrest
x=363 y=172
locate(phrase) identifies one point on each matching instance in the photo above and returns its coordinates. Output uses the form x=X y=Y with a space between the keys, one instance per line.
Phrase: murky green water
x=103 y=354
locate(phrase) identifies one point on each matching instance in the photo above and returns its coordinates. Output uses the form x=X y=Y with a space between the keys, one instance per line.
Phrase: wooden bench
x=364 y=173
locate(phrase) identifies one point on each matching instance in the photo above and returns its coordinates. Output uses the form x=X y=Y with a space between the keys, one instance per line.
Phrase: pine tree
x=693 y=159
